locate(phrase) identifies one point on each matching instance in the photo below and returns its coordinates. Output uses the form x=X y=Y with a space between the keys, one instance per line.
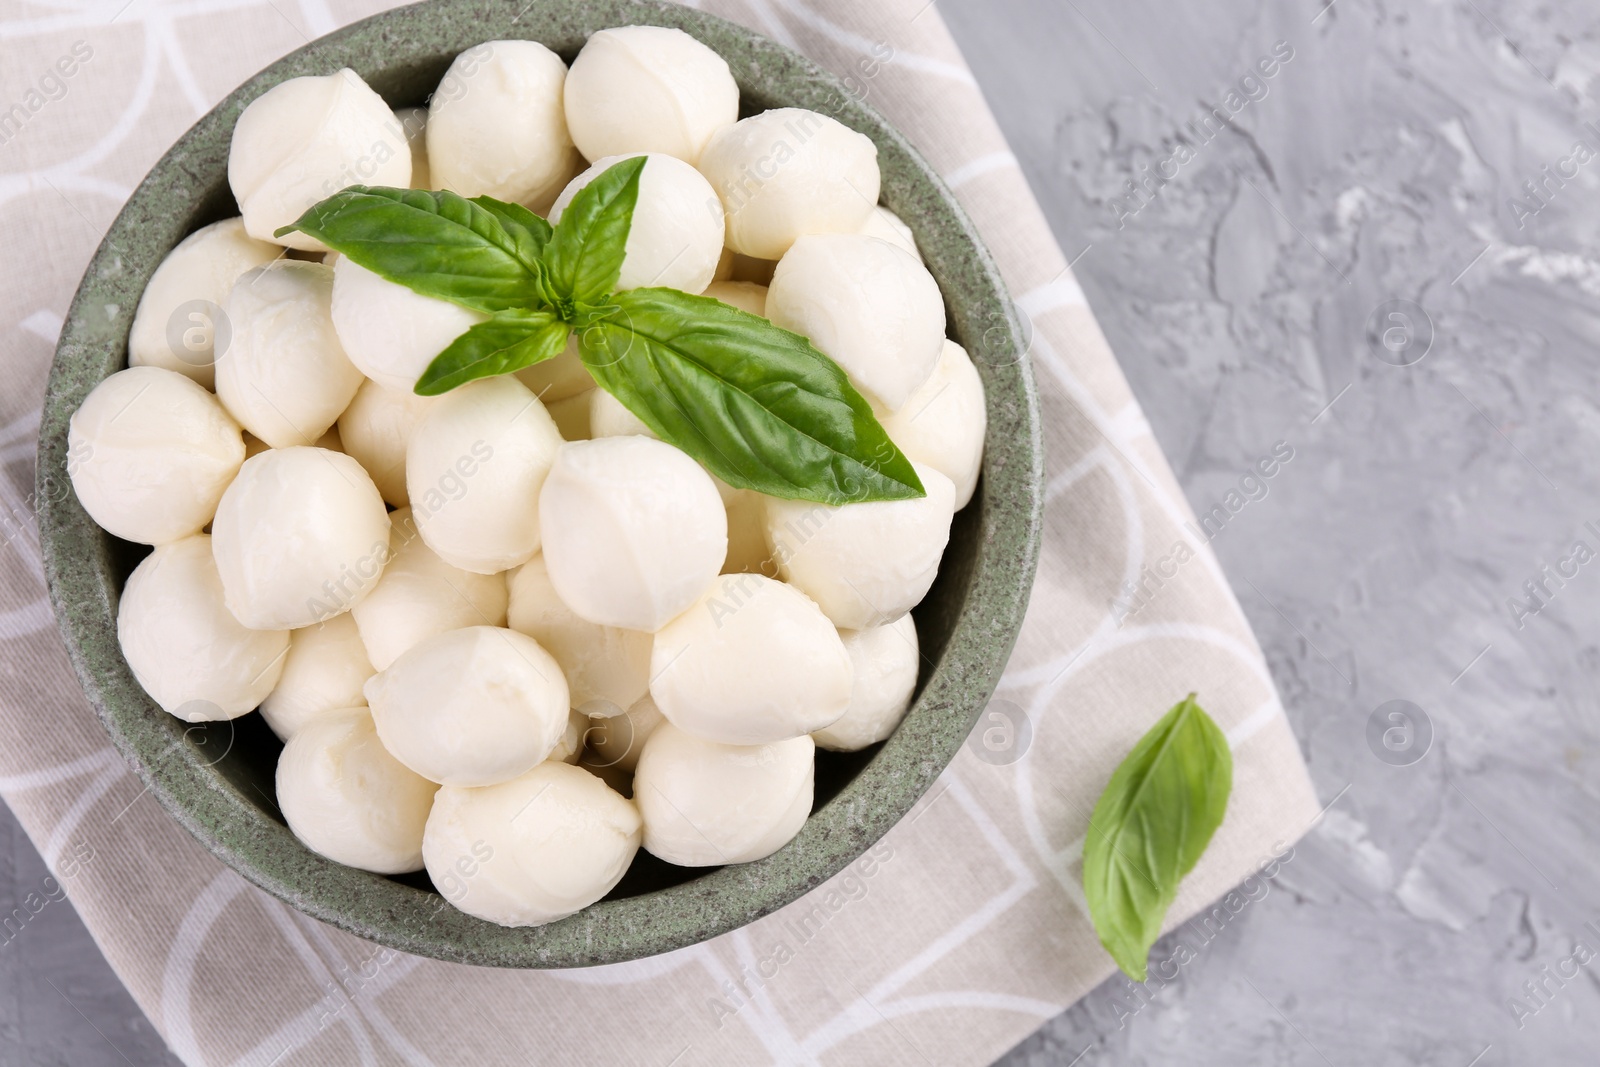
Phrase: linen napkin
x=951 y=940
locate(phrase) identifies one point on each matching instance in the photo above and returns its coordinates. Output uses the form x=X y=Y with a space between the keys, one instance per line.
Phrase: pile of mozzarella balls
x=506 y=634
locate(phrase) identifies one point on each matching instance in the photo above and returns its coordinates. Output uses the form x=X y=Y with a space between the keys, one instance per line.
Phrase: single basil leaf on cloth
x=584 y=257
x=1153 y=821
x=434 y=243
x=757 y=405
x=529 y=231
x=509 y=341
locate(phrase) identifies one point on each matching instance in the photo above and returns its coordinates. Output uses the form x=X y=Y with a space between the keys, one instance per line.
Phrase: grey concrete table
x=1441 y=461
x=1342 y=257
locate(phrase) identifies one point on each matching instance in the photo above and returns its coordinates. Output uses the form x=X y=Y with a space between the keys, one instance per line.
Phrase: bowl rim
x=78 y=557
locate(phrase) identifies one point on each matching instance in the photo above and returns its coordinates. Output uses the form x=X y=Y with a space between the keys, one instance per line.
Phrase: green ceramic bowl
x=217 y=780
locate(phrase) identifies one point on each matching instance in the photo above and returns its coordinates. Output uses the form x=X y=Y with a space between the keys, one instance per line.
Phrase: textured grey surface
x=1379 y=164
x=1379 y=564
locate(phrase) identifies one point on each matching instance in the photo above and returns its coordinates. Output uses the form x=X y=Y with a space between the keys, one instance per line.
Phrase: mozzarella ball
x=324 y=671
x=675 y=238
x=617 y=740
x=788 y=172
x=345 y=797
x=177 y=323
x=885 y=225
x=420 y=596
x=885 y=662
x=474 y=467
x=390 y=333
x=375 y=429
x=285 y=376
x=753 y=662
x=414 y=124
x=601 y=663
x=864 y=564
x=185 y=648
x=300 y=536
x=495 y=124
x=706 y=803
x=531 y=850
x=747 y=539
x=746 y=296
x=648 y=89
x=868 y=305
x=559 y=378
x=608 y=418
x=748 y=551
x=150 y=453
x=471 y=707
x=633 y=531
x=570 y=747
x=943 y=423
x=304 y=140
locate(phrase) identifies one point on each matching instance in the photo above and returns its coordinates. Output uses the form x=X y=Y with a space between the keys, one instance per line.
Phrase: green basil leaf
x=1153 y=821
x=434 y=243
x=509 y=341
x=529 y=231
x=584 y=257
x=757 y=405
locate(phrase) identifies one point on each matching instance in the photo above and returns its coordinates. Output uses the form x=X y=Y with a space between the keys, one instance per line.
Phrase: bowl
x=217 y=779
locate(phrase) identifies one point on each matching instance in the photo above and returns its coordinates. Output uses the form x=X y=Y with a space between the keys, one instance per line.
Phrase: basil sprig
x=758 y=406
x=1152 y=823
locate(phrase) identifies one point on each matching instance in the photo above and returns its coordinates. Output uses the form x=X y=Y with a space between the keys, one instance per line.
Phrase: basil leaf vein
x=1149 y=828
x=434 y=243
x=757 y=405
x=507 y=342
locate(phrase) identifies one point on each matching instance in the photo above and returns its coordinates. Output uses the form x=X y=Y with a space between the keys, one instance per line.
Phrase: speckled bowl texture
x=217 y=779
